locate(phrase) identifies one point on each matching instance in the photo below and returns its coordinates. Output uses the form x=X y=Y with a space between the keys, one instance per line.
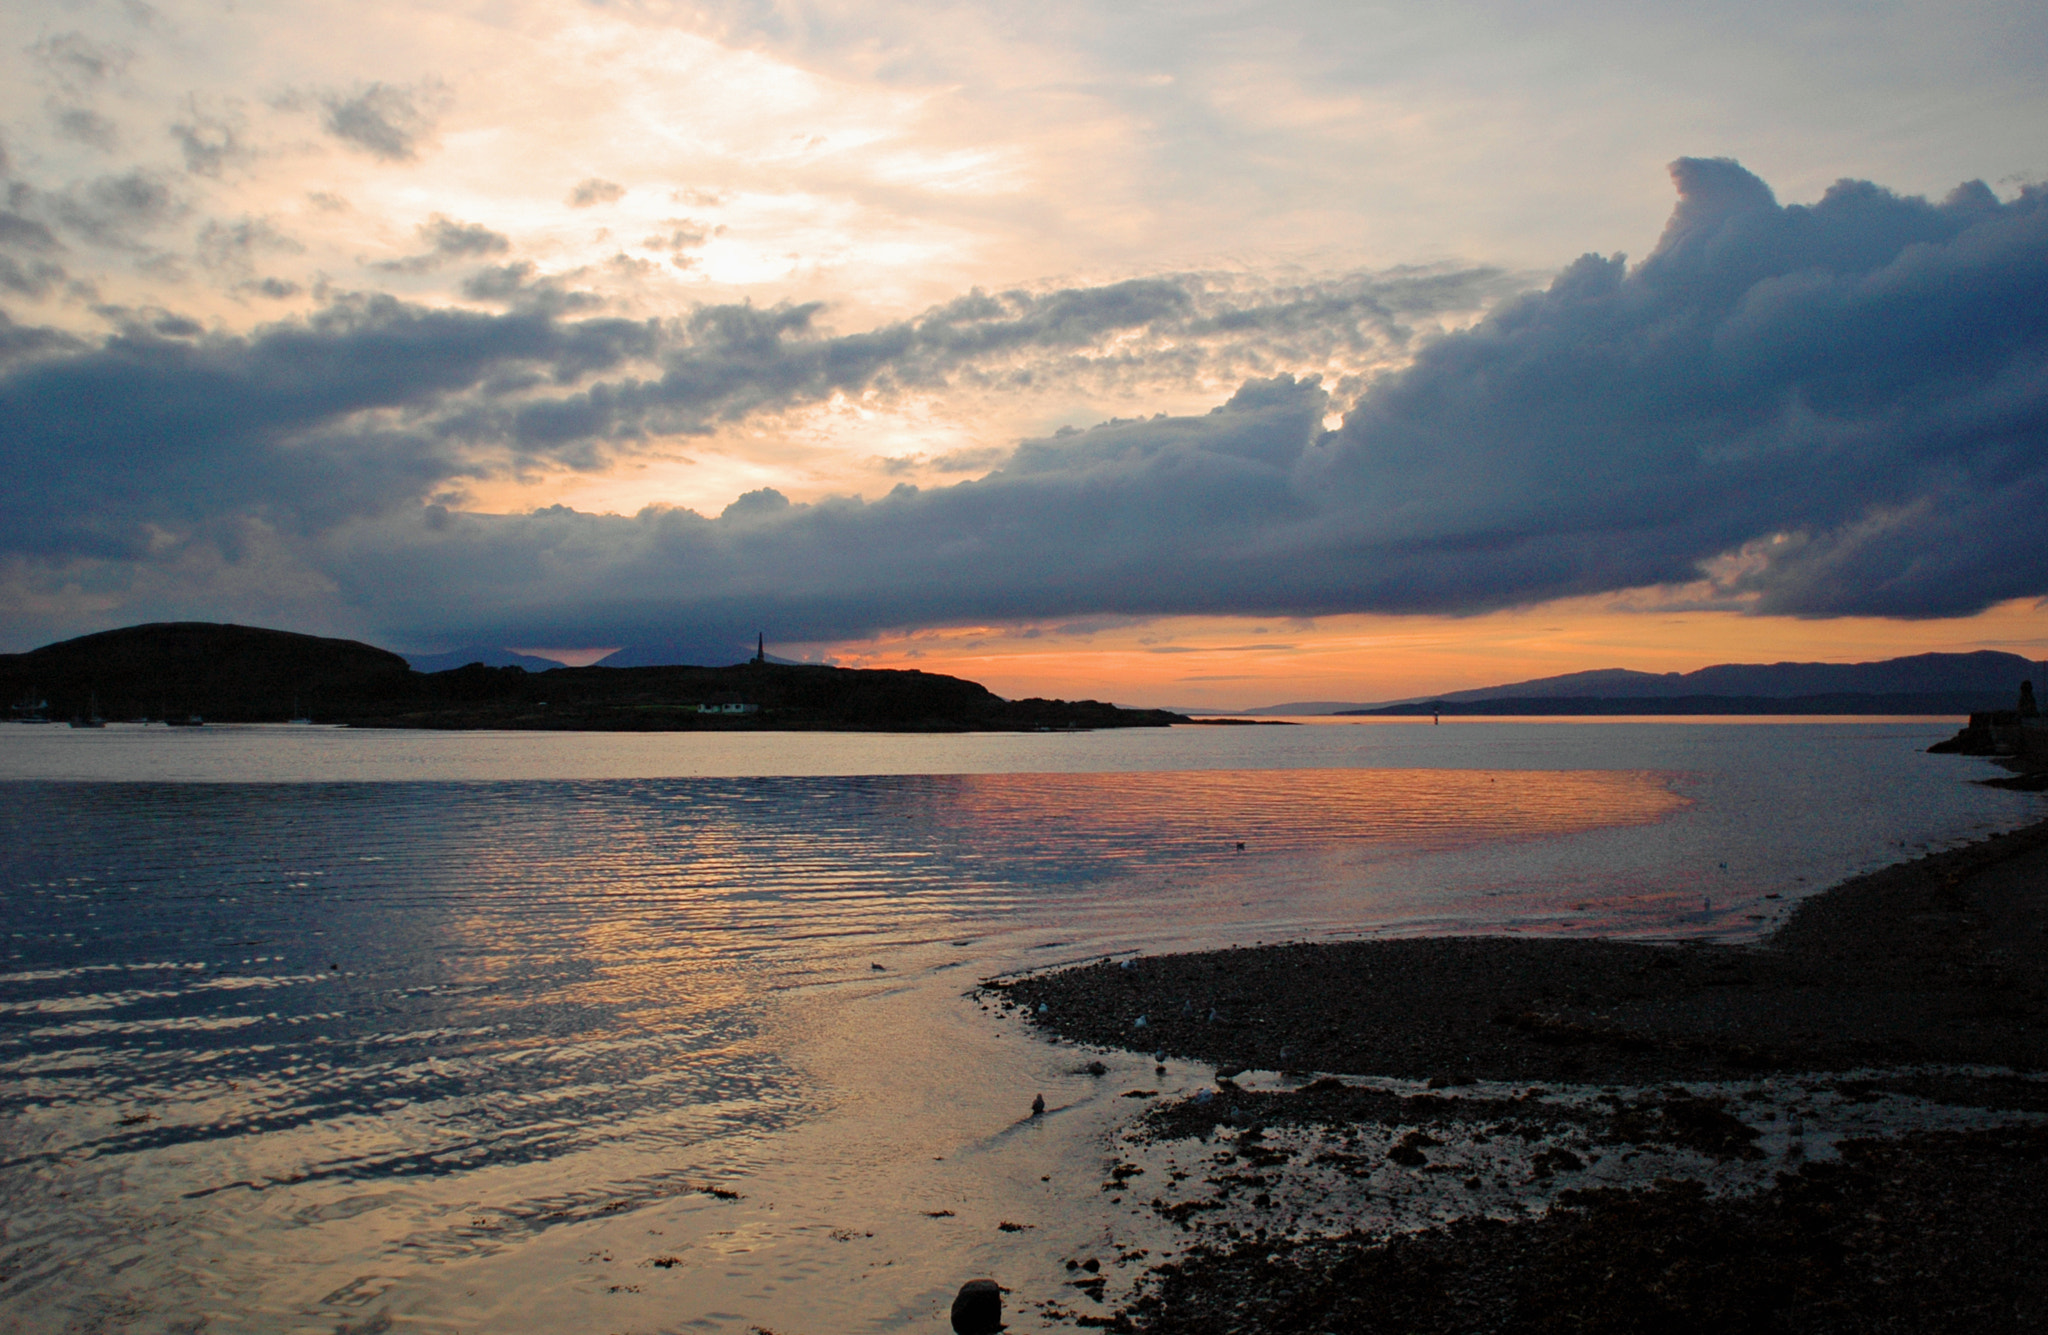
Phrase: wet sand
x=1904 y=978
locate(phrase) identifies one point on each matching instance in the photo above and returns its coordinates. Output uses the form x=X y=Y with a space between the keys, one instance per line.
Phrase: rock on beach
x=978 y=1308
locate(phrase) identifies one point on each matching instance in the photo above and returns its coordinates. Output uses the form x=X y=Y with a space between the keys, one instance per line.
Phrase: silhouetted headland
x=245 y=674
x=2016 y=738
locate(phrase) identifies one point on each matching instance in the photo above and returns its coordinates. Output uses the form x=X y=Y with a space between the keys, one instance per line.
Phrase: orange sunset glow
x=1218 y=664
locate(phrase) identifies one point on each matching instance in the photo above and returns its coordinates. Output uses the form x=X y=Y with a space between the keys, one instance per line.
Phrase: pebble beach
x=1840 y=1127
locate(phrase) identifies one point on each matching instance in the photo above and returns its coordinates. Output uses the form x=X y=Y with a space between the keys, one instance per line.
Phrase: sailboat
x=91 y=718
x=31 y=708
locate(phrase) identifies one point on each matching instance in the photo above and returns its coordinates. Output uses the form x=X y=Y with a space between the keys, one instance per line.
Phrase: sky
x=1198 y=354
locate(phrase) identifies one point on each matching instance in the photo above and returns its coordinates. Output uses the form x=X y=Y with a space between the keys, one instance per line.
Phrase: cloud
x=388 y=121
x=684 y=234
x=971 y=459
x=234 y=246
x=77 y=61
x=22 y=233
x=1826 y=409
x=208 y=140
x=35 y=278
x=448 y=240
x=18 y=343
x=115 y=210
x=27 y=271
x=1867 y=375
x=499 y=282
x=83 y=125
x=726 y=362
x=303 y=425
x=275 y=288
x=595 y=190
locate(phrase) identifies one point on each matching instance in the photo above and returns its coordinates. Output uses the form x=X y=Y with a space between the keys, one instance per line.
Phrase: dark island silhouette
x=1918 y=684
x=247 y=674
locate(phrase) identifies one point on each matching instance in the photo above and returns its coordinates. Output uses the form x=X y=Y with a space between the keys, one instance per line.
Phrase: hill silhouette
x=229 y=673
x=244 y=674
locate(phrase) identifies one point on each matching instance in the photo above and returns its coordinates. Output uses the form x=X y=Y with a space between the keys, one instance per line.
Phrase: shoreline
x=1440 y=1184
x=1837 y=986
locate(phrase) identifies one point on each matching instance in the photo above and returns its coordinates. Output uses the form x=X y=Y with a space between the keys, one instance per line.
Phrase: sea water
x=323 y=1030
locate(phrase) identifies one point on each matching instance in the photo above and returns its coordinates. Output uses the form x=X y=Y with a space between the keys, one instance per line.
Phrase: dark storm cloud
x=1170 y=512
x=1866 y=376
x=387 y=121
x=1828 y=409
x=305 y=424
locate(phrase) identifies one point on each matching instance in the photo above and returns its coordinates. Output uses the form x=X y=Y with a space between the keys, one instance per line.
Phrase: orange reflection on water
x=1278 y=809
x=660 y=902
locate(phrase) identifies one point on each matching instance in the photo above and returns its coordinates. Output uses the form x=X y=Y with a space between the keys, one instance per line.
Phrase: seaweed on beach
x=1933 y=1233
x=1675 y=1119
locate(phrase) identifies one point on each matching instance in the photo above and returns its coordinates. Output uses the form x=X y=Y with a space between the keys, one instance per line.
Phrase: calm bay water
x=307 y=1029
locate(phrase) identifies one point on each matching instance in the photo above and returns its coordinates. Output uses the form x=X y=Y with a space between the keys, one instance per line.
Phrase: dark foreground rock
x=1927 y=1234
x=1944 y=959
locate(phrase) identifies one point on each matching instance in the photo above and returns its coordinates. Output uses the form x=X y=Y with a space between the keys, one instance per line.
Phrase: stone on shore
x=978 y=1308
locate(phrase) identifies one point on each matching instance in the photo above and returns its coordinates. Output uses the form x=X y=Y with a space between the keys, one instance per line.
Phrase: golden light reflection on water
x=1267 y=809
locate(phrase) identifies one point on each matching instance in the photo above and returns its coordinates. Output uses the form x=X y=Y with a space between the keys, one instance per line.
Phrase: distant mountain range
x=1921 y=683
x=488 y=656
x=632 y=656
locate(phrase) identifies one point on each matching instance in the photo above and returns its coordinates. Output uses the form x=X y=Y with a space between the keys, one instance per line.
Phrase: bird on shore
x=1038 y=1105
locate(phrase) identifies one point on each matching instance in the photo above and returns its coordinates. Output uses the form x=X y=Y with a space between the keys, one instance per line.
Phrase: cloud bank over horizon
x=1834 y=409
